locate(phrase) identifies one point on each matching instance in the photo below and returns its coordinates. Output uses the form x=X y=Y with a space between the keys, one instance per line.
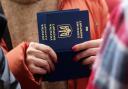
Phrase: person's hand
x=40 y=58
x=87 y=51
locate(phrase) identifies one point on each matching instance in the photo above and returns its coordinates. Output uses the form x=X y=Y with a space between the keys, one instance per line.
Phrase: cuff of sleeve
x=16 y=59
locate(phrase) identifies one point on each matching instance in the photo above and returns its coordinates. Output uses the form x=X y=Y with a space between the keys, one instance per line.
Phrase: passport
x=61 y=30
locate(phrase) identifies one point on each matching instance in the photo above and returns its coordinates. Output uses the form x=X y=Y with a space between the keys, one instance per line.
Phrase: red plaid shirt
x=110 y=69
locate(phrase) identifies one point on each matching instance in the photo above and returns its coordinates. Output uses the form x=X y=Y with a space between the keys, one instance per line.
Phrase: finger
x=86 y=53
x=86 y=45
x=46 y=49
x=37 y=70
x=38 y=54
x=89 y=60
x=41 y=55
x=47 y=58
x=50 y=62
x=39 y=63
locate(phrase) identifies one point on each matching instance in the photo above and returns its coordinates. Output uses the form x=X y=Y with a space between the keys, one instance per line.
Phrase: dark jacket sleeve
x=7 y=80
x=4 y=31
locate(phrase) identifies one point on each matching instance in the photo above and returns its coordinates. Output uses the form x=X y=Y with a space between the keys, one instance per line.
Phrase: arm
x=26 y=60
x=16 y=60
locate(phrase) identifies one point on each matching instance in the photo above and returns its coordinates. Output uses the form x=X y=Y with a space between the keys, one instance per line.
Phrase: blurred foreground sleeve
x=7 y=80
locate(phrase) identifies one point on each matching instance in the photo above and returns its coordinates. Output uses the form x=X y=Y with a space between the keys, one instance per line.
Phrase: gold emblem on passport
x=64 y=30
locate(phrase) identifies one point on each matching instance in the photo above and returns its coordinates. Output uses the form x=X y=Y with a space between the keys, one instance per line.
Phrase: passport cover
x=61 y=30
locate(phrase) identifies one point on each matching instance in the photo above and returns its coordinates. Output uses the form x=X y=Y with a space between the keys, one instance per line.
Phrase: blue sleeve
x=7 y=80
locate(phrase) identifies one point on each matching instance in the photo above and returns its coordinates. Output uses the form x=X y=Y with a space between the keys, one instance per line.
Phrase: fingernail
x=75 y=59
x=74 y=48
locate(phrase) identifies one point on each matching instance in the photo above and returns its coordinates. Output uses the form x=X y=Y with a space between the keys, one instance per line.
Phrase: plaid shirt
x=110 y=70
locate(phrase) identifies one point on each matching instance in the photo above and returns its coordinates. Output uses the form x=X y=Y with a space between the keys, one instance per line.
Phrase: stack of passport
x=61 y=30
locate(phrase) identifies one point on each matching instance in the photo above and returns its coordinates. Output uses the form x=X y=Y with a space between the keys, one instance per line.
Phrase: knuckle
x=48 y=49
x=93 y=51
x=45 y=63
x=93 y=58
x=29 y=50
x=32 y=45
x=46 y=57
x=90 y=51
x=31 y=68
x=29 y=60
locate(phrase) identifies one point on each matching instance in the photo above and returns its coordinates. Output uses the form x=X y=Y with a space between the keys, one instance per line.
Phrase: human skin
x=88 y=51
x=40 y=58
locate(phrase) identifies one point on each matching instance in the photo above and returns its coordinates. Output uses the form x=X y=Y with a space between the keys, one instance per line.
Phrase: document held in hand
x=61 y=30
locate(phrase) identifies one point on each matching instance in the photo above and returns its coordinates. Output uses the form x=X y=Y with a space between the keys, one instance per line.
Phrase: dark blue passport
x=61 y=30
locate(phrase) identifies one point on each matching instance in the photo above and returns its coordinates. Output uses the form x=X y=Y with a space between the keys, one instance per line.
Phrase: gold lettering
x=44 y=32
x=79 y=29
x=52 y=32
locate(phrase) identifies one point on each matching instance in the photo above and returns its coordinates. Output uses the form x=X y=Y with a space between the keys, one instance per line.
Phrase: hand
x=87 y=51
x=40 y=58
